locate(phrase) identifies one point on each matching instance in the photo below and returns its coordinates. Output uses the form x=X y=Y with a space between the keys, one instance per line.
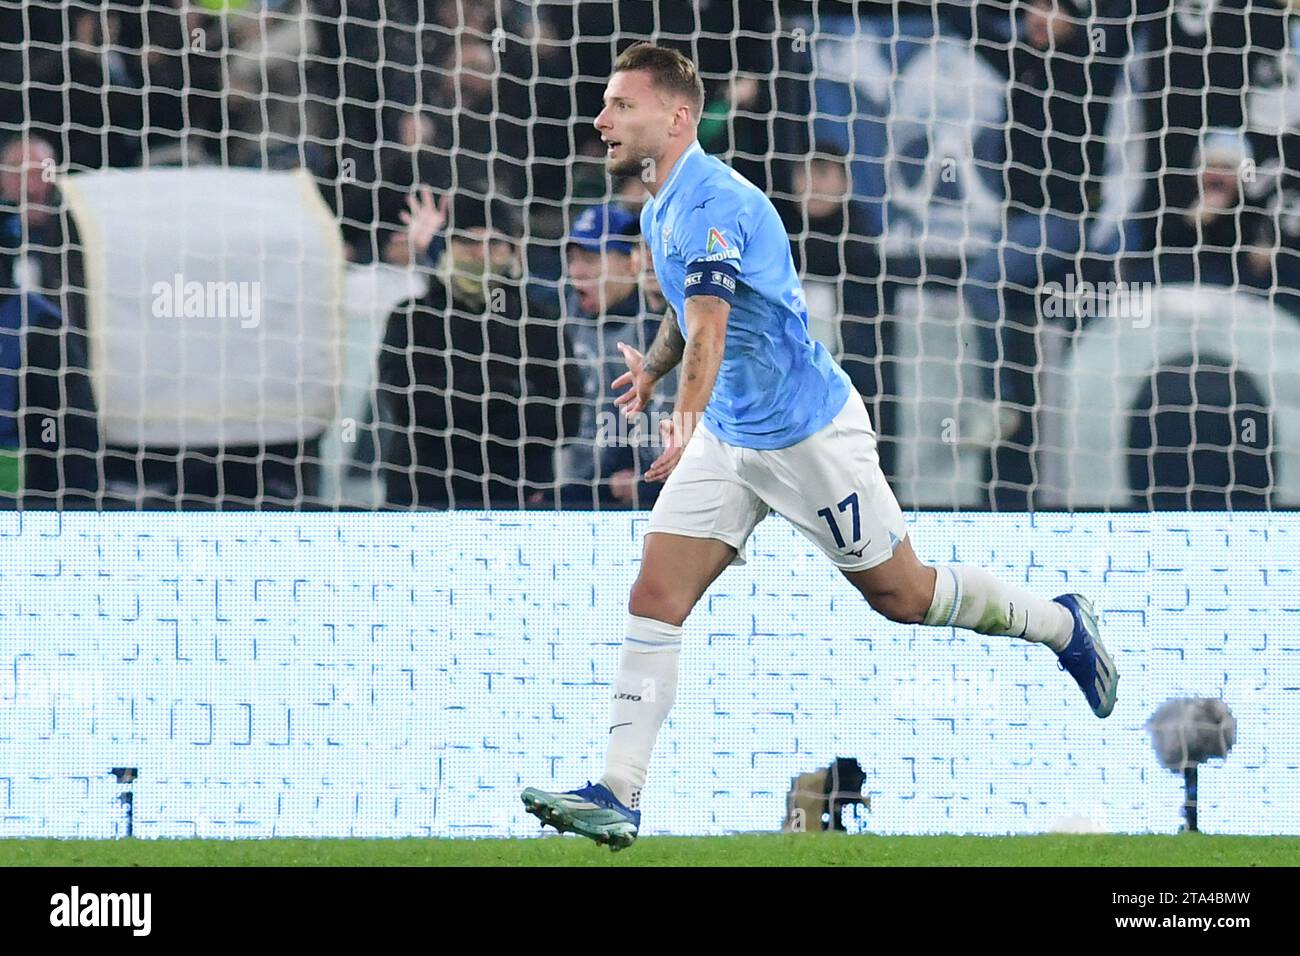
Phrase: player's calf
x=904 y=606
x=905 y=590
x=900 y=589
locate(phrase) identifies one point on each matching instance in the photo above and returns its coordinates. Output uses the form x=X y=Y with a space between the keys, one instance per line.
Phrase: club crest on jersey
x=716 y=241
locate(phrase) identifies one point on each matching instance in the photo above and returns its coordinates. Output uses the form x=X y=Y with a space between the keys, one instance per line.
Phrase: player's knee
x=654 y=598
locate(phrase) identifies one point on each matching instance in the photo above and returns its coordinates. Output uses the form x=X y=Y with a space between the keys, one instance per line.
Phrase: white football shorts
x=829 y=486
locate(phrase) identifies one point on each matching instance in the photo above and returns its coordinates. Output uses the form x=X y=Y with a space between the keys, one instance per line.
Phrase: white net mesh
x=293 y=253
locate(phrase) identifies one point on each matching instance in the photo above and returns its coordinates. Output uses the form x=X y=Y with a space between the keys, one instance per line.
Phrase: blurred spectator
x=469 y=135
x=373 y=225
x=479 y=16
x=830 y=231
x=1277 y=260
x=478 y=134
x=181 y=73
x=533 y=74
x=626 y=483
x=733 y=124
x=737 y=117
x=84 y=98
x=1219 y=239
x=631 y=194
x=1062 y=67
x=419 y=241
x=590 y=179
x=271 y=45
x=1207 y=62
x=49 y=439
x=605 y=261
x=549 y=119
x=472 y=390
x=27 y=189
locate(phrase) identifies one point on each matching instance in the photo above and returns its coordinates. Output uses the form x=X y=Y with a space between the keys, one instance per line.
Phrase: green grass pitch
x=1191 y=849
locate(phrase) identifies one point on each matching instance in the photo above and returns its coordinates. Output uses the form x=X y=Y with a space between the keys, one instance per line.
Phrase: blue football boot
x=592 y=811
x=1086 y=659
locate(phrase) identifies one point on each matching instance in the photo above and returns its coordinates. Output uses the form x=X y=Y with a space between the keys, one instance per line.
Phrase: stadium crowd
x=454 y=137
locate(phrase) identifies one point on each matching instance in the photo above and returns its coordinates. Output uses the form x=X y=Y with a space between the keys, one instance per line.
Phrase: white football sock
x=976 y=600
x=644 y=689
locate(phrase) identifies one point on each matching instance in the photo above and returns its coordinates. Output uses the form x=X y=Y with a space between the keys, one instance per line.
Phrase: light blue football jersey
x=711 y=229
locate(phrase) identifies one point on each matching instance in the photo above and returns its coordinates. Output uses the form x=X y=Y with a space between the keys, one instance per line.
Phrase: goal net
x=305 y=254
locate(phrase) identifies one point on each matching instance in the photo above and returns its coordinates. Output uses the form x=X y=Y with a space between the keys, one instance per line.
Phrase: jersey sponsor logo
x=716 y=241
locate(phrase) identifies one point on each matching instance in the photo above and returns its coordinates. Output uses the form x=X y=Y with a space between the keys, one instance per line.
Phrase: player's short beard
x=633 y=163
x=631 y=166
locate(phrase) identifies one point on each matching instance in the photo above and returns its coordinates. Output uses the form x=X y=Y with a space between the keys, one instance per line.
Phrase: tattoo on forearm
x=667 y=349
x=699 y=362
x=699 y=372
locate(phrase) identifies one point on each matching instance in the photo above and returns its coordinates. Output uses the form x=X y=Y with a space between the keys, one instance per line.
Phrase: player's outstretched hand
x=674 y=439
x=639 y=385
